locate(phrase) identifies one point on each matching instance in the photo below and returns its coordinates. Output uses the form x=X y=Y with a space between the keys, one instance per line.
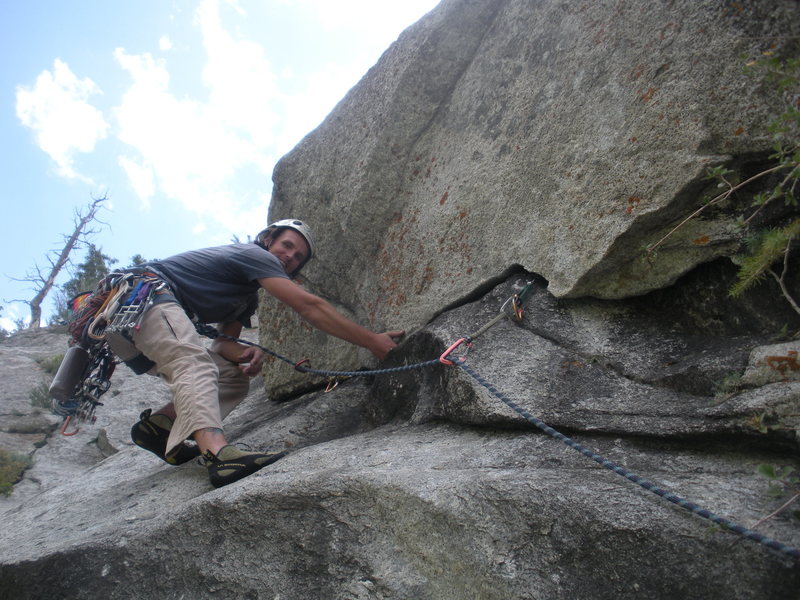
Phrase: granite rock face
x=421 y=483
x=498 y=148
x=564 y=137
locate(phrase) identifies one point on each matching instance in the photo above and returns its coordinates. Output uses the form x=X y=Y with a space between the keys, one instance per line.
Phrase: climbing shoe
x=152 y=433
x=231 y=464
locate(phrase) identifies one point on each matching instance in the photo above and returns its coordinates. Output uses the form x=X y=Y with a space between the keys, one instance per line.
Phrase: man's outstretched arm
x=322 y=315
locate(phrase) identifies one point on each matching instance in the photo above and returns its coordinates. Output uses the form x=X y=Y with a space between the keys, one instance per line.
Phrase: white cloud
x=14 y=313
x=204 y=152
x=196 y=151
x=164 y=43
x=141 y=178
x=56 y=108
x=241 y=81
x=185 y=144
x=377 y=25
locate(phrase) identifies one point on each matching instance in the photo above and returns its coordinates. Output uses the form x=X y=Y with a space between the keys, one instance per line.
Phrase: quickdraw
x=444 y=357
x=93 y=382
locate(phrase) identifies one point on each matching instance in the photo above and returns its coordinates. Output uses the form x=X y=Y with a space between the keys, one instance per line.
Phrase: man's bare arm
x=322 y=315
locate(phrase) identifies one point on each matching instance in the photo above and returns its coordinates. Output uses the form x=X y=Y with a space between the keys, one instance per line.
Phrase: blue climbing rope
x=212 y=332
x=649 y=486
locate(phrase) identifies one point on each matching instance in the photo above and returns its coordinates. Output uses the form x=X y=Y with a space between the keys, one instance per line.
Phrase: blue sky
x=177 y=110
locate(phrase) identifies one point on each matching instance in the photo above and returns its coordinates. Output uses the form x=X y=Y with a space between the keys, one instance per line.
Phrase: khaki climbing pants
x=205 y=386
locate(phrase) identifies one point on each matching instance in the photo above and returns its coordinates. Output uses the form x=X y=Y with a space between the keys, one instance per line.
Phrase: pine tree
x=95 y=266
x=136 y=260
x=43 y=280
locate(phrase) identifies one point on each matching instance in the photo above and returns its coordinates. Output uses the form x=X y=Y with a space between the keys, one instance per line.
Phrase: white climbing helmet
x=296 y=224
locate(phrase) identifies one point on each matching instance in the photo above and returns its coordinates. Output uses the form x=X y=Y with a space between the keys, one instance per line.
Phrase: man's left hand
x=251 y=361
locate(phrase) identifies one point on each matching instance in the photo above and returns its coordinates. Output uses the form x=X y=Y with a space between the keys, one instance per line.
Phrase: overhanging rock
x=563 y=137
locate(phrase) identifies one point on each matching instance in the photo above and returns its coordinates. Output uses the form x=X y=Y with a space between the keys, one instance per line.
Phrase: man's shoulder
x=250 y=250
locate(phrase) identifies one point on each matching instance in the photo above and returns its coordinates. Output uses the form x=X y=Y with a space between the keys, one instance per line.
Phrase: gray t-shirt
x=220 y=284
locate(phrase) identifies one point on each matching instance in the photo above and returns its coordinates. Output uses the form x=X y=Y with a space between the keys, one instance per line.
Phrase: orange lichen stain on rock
x=633 y=140
x=701 y=241
x=425 y=280
x=633 y=202
x=648 y=95
x=782 y=364
x=571 y=363
x=739 y=131
x=737 y=7
x=443 y=199
x=393 y=260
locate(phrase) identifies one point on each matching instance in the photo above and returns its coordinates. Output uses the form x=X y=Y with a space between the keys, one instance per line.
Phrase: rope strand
x=648 y=485
x=212 y=332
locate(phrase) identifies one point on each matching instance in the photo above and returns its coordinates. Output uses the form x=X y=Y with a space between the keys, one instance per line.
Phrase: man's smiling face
x=290 y=248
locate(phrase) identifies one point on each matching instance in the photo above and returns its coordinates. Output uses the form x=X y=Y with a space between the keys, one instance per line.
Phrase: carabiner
x=300 y=364
x=443 y=358
x=334 y=381
x=64 y=426
x=516 y=305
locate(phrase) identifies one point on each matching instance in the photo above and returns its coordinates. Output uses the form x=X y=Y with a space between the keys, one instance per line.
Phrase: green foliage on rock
x=51 y=363
x=12 y=465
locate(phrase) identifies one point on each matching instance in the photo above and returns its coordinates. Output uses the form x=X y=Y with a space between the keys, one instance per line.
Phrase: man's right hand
x=385 y=342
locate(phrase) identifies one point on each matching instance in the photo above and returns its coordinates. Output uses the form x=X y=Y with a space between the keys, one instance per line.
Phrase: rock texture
x=421 y=484
x=560 y=136
x=496 y=147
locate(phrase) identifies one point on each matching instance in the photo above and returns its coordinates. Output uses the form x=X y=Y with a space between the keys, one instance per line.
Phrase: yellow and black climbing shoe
x=152 y=432
x=231 y=464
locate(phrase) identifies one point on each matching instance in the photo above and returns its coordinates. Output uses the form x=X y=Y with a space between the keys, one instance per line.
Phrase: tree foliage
x=767 y=245
x=86 y=275
x=43 y=280
x=766 y=248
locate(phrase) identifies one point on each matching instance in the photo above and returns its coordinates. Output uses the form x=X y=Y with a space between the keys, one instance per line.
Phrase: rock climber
x=220 y=285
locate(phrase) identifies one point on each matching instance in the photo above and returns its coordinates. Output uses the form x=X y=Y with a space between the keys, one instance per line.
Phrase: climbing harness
x=463 y=345
x=117 y=305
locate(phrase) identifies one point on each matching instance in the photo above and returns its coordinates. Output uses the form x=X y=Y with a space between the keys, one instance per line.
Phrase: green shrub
x=40 y=395
x=731 y=384
x=769 y=249
x=50 y=364
x=12 y=465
